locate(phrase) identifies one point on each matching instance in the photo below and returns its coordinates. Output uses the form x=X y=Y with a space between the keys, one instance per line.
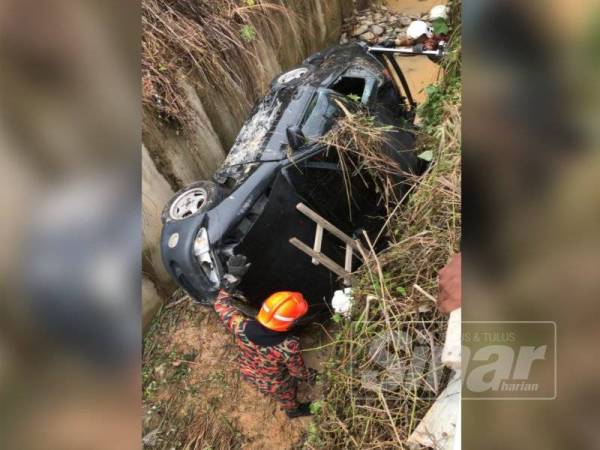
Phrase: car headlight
x=202 y=252
x=201 y=244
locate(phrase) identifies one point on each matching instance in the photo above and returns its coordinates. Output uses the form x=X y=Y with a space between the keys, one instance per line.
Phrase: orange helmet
x=281 y=310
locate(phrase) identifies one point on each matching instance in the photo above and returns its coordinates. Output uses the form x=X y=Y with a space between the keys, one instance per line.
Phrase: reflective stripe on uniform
x=285 y=319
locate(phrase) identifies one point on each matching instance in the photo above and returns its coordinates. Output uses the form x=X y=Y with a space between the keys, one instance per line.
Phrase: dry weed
x=215 y=39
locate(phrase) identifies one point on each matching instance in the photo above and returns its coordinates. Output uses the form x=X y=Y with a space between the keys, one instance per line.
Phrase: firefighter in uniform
x=269 y=355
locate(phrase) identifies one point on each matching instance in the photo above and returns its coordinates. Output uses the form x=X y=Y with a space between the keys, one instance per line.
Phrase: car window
x=320 y=115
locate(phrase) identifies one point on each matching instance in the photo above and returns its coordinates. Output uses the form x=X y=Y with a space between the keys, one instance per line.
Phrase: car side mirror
x=295 y=137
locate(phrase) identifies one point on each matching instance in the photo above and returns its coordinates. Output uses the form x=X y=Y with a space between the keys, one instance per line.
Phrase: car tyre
x=291 y=76
x=194 y=199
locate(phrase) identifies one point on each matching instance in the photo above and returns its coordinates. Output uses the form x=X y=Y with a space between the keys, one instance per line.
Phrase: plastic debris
x=438 y=12
x=418 y=28
x=439 y=426
x=451 y=356
x=342 y=302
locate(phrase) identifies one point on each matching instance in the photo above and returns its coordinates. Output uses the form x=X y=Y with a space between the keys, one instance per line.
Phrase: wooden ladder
x=352 y=245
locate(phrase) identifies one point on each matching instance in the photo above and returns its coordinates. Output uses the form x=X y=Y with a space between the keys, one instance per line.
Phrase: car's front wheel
x=191 y=200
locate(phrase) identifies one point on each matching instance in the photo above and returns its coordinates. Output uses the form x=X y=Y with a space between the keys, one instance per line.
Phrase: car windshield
x=251 y=141
x=320 y=114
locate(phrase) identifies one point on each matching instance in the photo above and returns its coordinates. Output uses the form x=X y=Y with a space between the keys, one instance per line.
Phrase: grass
x=384 y=373
x=181 y=411
x=215 y=40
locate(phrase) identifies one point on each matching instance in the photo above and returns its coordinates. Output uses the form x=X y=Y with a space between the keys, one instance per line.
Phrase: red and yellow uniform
x=270 y=360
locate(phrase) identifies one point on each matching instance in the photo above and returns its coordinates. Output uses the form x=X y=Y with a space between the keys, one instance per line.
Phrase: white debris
x=457 y=433
x=418 y=28
x=451 y=356
x=342 y=302
x=439 y=426
x=438 y=12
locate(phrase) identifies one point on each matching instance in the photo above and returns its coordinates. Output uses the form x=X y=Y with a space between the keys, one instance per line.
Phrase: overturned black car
x=278 y=161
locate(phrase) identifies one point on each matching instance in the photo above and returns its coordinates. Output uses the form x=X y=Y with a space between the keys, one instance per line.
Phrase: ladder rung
x=348 y=260
x=318 y=242
x=326 y=224
x=321 y=258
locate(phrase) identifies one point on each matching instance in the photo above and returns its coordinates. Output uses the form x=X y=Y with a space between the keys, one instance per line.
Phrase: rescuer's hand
x=238 y=265
x=229 y=283
x=450 y=296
